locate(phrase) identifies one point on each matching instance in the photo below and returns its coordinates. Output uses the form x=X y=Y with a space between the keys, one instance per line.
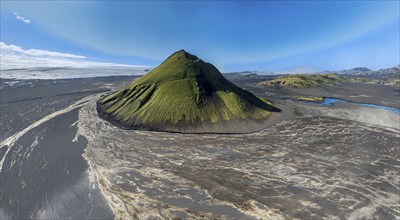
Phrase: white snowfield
x=71 y=73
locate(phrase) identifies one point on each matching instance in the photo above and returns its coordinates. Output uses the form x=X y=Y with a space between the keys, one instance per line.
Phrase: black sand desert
x=59 y=159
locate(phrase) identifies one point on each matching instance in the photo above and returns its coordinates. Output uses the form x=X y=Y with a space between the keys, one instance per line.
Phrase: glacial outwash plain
x=283 y=146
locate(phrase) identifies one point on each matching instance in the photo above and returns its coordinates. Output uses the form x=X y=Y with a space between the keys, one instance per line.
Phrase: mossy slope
x=305 y=80
x=184 y=94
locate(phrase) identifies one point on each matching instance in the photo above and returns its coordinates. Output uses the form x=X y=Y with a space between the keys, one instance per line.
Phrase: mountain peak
x=362 y=69
x=182 y=54
x=185 y=94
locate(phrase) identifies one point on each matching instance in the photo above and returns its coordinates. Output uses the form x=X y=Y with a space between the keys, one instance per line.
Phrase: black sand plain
x=311 y=161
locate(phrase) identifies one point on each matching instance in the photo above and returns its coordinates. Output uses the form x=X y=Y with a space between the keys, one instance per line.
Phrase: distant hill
x=185 y=94
x=394 y=71
x=387 y=76
x=360 y=71
x=250 y=73
x=304 y=80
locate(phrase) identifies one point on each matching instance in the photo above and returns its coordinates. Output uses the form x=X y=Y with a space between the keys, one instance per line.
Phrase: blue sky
x=233 y=35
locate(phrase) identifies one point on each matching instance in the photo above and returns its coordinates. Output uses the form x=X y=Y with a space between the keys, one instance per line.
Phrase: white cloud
x=19 y=17
x=34 y=52
x=15 y=57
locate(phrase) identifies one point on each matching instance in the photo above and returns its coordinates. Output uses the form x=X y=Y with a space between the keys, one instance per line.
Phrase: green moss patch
x=305 y=80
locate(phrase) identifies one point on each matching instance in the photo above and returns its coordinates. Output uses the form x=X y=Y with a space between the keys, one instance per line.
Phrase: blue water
x=328 y=101
x=332 y=101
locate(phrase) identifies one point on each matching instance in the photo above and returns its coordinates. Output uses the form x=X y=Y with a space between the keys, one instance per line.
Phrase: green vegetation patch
x=306 y=98
x=305 y=80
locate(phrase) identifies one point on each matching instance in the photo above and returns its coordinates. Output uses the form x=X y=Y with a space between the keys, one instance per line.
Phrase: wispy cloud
x=19 y=17
x=34 y=52
x=14 y=57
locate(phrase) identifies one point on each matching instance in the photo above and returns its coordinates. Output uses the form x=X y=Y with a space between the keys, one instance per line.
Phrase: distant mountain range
x=358 y=71
x=390 y=71
x=365 y=71
x=389 y=76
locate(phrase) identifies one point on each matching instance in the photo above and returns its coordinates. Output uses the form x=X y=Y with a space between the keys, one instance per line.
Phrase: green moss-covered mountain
x=185 y=94
x=305 y=80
